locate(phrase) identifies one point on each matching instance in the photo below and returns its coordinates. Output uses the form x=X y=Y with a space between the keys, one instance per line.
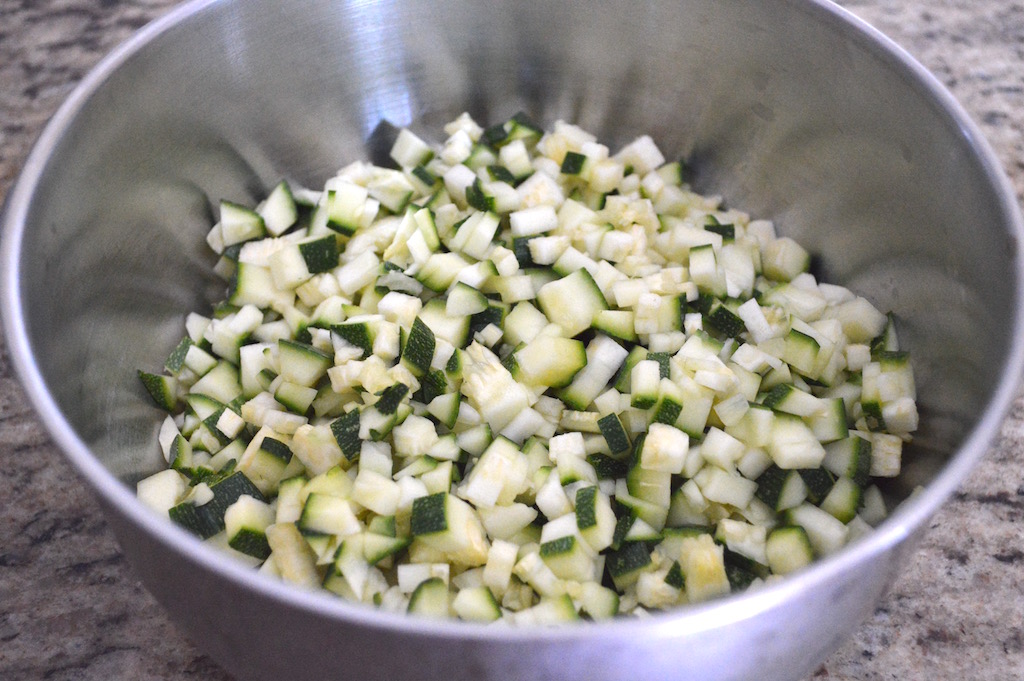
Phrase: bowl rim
x=899 y=526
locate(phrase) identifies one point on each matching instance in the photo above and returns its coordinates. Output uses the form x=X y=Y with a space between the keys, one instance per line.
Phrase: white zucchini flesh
x=522 y=378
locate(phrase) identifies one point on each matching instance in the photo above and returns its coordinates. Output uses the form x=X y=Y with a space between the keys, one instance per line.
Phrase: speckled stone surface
x=72 y=609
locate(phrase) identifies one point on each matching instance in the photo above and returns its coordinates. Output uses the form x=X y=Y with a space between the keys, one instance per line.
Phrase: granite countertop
x=72 y=609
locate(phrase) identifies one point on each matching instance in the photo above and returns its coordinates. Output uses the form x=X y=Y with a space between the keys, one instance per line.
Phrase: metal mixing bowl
x=791 y=109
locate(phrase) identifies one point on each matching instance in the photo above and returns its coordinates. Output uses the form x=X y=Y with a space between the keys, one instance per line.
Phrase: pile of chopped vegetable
x=520 y=378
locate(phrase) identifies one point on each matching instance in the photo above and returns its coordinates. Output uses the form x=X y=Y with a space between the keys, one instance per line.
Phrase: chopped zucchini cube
x=450 y=525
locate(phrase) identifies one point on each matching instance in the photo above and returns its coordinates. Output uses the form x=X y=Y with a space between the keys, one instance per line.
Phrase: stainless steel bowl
x=791 y=109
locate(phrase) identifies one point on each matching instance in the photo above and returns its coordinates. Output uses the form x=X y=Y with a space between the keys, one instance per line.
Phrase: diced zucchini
x=319 y=254
x=783 y=259
x=788 y=549
x=377 y=547
x=849 y=457
x=455 y=330
x=787 y=398
x=207 y=519
x=614 y=434
x=521 y=378
x=569 y=558
x=220 y=383
x=599 y=602
x=279 y=210
x=301 y=364
x=359 y=334
x=549 y=611
x=161 y=491
x=409 y=150
x=327 y=515
x=572 y=302
x=498 y=477
x=344 y=207
x=702 y=563
x=346 y=432
x=594 y=517
x=239 y=223
x=163 y=389
x=829 y=423
x=819 y=483
x=792 y=444
x=550 y=361
x=430 y=599
x=826 y=533
x=418 y=351
x=464 y=300
x=266 y=462
x=604 y=357
x=617 y=324
x=645 y=384
x=476 y=604
x=781 y=489
x=441 y=269
x=625 y=565
x=246 y=522
x=449 y=525
x=843 y=500
x=292 y=555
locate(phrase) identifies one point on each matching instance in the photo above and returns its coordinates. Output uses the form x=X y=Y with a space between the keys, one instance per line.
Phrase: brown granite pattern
x=71 y=609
